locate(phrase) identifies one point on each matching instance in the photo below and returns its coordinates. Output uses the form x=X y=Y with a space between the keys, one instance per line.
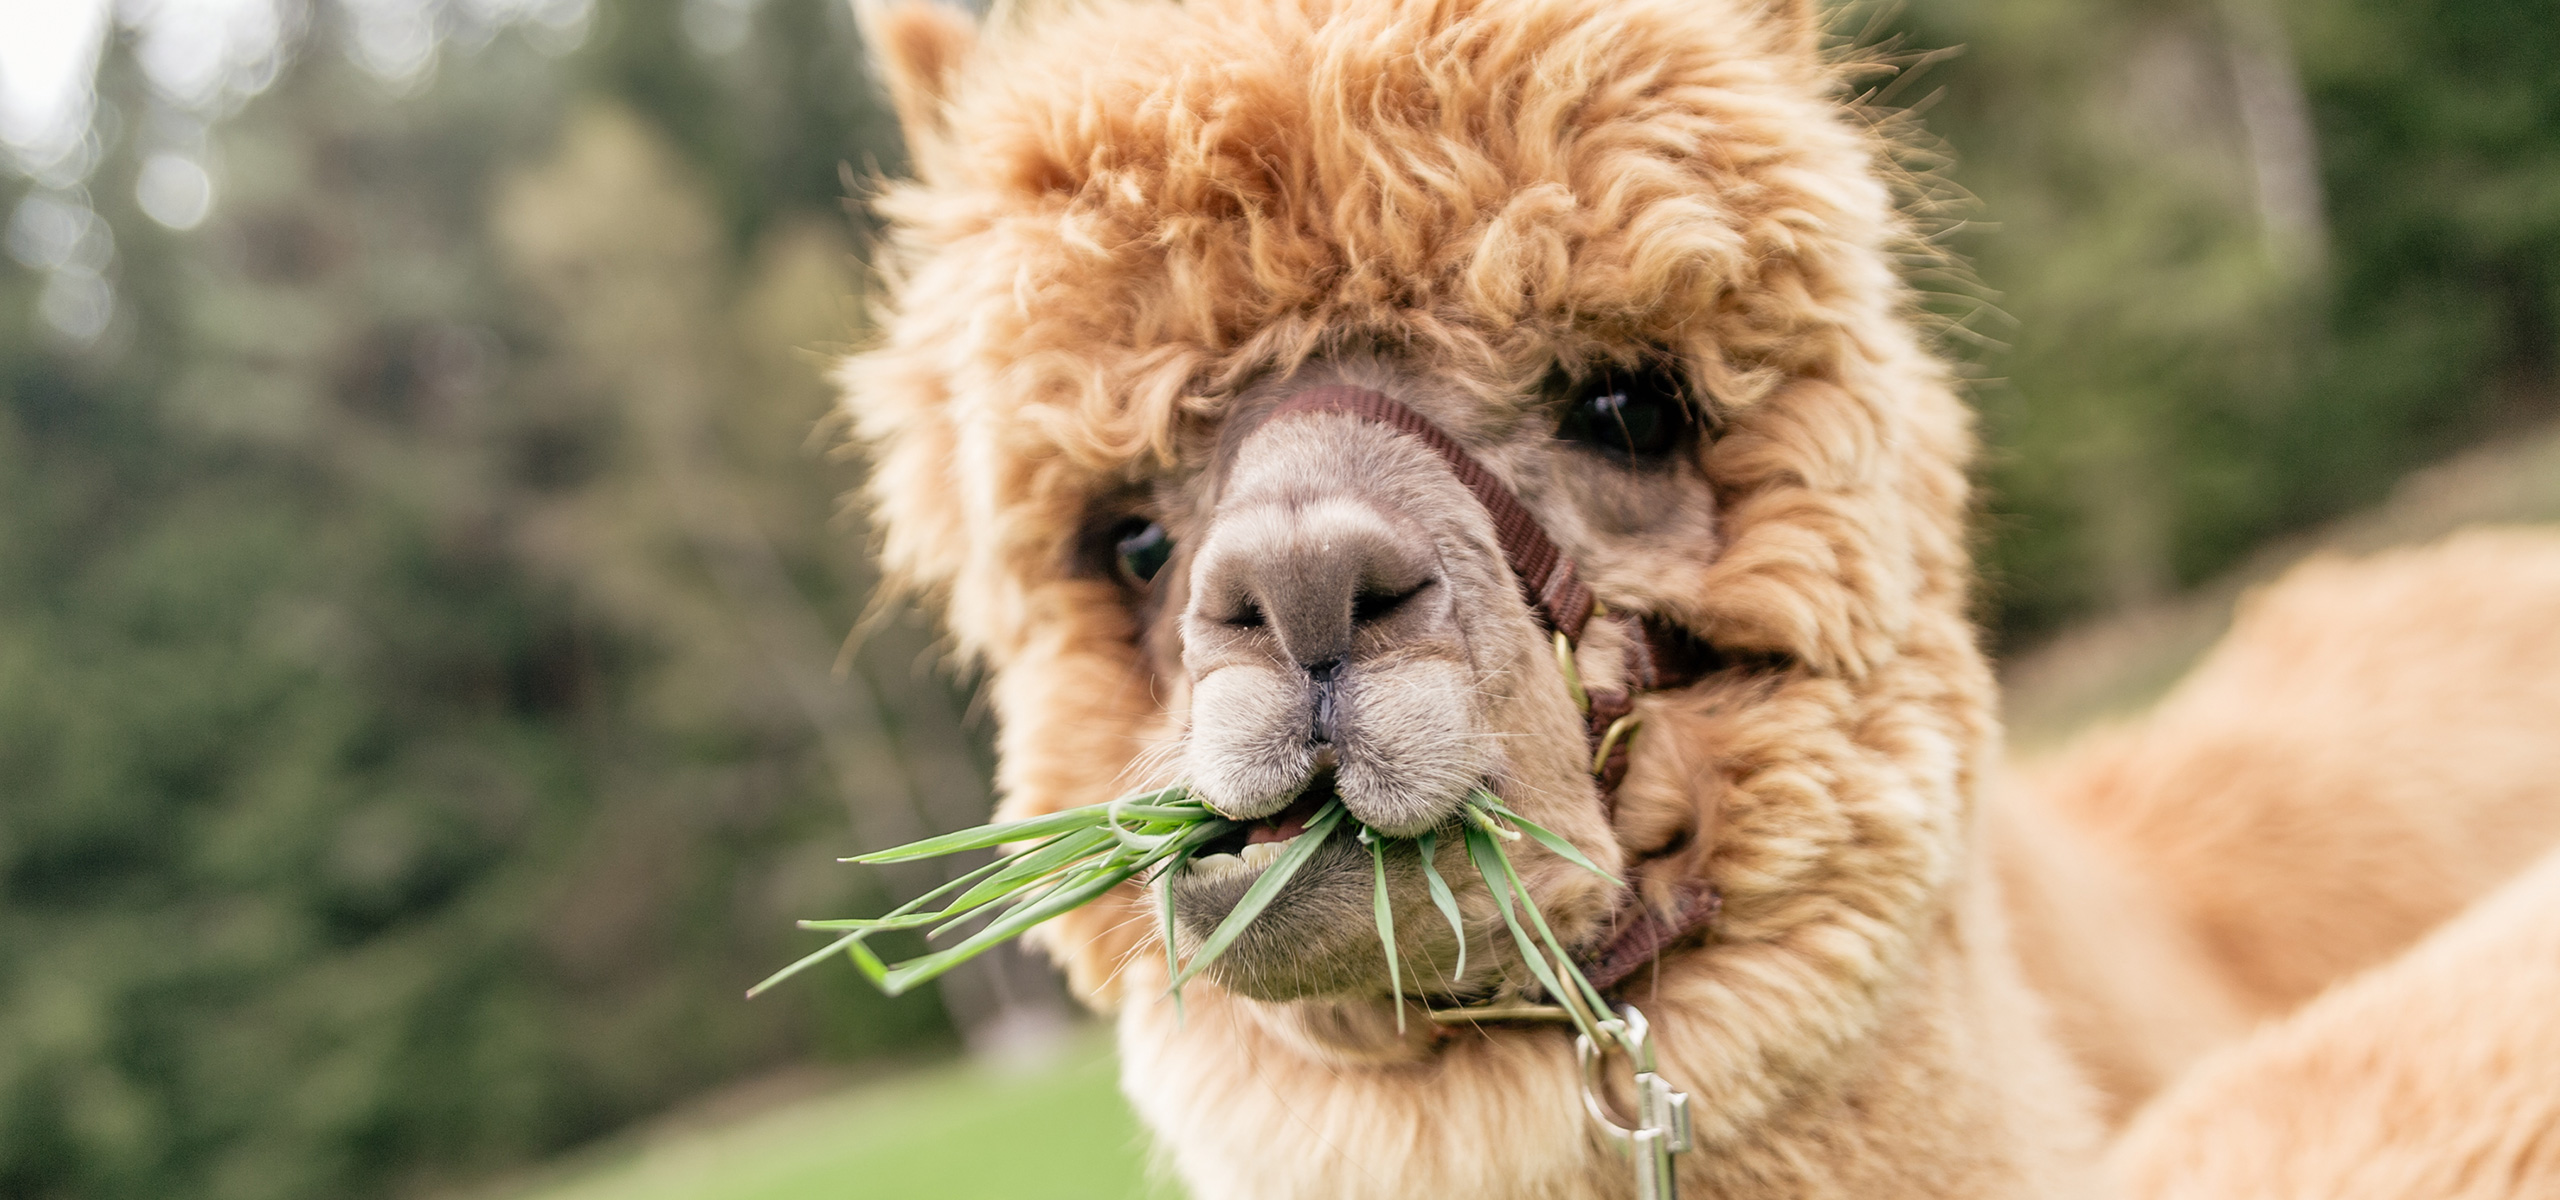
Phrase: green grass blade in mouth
x=1165 y=814
x=1028 y=868
x=912 y=912
x=1386 y=911
x=1495 y=869
x=1078 y=858
x=1564 y=961
x=1057 y=894
x=1443 y=899
x=905 y=916
x=1076 y=890
x=1265 y=886
x=861 y=928
x=804 y=964
x=1488 y=859
x=1143 y=825
x=1542 y=835
x=995 y=881
x=874 y=924
x=1164 y=895
x=985 y=836
x=1476 y=816
x=1038 y=891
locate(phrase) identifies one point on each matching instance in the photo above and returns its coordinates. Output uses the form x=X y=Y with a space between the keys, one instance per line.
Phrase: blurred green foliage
x=416 y=612
x=416 y=725
x=2258 y=257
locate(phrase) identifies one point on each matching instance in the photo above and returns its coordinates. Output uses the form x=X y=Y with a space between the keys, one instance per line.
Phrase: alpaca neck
x=1960 y=1091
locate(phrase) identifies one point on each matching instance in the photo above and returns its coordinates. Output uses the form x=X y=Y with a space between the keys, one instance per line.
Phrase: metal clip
x=1662 y=1114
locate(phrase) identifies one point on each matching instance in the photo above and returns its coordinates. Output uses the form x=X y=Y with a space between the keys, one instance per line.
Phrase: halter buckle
x=1661 y=1128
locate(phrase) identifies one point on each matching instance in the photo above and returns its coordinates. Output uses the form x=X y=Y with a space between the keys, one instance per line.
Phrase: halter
x=1659 y=657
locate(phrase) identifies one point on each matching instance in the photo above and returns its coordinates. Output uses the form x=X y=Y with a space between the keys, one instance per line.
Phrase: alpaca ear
x=917 y=47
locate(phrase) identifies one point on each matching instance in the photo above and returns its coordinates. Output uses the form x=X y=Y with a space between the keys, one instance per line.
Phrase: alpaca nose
x=1319 y=577
x=1324 y=628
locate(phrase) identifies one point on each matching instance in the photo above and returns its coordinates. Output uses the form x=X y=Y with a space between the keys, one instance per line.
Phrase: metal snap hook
x=1661 y=1128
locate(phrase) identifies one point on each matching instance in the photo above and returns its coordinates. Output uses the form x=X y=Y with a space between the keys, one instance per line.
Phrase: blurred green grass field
x=964 y=1131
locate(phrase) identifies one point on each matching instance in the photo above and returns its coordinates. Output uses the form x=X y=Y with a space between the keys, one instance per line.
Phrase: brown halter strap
x=1547 y=578
x=1659 y=656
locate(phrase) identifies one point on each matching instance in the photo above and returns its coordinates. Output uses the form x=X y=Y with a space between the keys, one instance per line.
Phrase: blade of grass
x=985 y=836
x=1166 y=814
x=995 y=881
x=868 y=962
x=1483 y=820
x=805 y=963
x=1172 y=953
x=1081 y=854
x=1490 y=864
x=1543 y=836
x=964 y=879
x=1442 y=898
x=1132 y=861
x=907 y=915
x=1044 y=904
x=873 y=924
x=1386 y=912
x=1032 y=892
x=1488 y=859
x=1073 y=892
x=1538 y=919
x=1189 y=846
x=1265 y=886
x=1020 y=869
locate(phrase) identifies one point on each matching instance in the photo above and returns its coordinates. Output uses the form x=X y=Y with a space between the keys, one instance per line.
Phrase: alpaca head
x=1632 y=255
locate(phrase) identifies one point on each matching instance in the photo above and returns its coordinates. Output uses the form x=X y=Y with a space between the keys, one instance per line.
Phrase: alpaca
x=1217 y=338
x=2368 y=752
x=2436 y=1074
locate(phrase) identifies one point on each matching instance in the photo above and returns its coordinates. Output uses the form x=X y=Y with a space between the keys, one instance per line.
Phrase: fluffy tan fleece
x=2436 y=1074
x=2373 y=747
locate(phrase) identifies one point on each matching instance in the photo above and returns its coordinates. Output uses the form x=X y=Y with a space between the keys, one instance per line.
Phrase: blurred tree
x=2260 y=259
x=415 y=616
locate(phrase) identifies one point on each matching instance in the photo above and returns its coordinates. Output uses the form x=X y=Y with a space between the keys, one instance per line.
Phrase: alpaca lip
x=1300 y=944
x=1250 y=847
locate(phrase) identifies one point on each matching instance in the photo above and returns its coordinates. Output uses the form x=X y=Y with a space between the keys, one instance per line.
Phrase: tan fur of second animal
x=2372 y=748
x=2436 y=1075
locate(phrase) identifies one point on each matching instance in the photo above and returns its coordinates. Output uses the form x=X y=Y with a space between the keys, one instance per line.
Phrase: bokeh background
x=426 y=696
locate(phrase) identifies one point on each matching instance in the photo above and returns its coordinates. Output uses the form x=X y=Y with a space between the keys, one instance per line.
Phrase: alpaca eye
x=1627 y=414
x=1142 y=547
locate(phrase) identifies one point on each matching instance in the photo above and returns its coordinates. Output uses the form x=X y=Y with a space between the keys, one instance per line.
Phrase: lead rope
x=1554 y=590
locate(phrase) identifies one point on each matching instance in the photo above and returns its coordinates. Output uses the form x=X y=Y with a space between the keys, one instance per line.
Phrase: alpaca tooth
x=1261 y=854
x=1214 y=866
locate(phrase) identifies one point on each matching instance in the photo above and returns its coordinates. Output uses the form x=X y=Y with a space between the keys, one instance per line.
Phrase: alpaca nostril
x=1310 y=579
x=1327 y=676
x=1377 y=604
